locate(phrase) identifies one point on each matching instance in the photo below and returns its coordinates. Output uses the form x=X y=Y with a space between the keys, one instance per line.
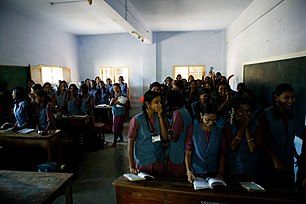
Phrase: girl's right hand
x=133 y=170
x=191 y=176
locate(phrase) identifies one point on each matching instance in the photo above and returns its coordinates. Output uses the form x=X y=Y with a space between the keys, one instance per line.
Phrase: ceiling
x=80 y=18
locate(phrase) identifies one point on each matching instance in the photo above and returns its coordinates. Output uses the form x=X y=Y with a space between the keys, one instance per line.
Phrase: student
x=73 y=100
x=181 y=120
x=47 y=87
x=145 y=134
x=103 y=96
x=22 y=109
x=118 y=111
x=278 y=127
x=123 y=86
x=44 y=114
x=109 y=87
x=241 y=144
x=86 y=101
x=61 y=95
x=204 y=98
x=224 y=102
x=205 y=147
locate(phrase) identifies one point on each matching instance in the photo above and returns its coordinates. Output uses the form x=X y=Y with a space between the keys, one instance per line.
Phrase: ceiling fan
x=67 y=2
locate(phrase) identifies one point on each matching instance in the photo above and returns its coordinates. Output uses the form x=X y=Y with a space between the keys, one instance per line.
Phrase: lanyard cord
x=149 y=123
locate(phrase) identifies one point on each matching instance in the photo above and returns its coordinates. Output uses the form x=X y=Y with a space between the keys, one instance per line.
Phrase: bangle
x=238 y=138
x=188 y=172
x=250 y=140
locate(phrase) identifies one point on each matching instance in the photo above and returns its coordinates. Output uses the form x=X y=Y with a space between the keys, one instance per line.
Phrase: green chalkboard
x=11 y=76
x=262 y=78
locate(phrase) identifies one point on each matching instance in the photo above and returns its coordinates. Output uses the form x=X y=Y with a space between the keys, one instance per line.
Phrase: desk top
x=31 y=187
x=28 y=135
x=232 y=191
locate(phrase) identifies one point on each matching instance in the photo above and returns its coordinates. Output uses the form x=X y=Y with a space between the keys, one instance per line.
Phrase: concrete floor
x=93 y=182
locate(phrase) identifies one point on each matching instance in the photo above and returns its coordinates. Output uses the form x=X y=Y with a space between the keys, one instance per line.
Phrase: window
x=185 y=71
x=114 y=72
x=42 y=74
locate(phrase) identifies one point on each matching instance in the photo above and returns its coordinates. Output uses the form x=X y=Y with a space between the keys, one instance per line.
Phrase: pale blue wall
x=189 y=48
x=25 y=41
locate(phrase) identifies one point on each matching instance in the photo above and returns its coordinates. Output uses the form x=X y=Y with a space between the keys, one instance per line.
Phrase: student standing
x=205 y=147
x=146 y=131
x=22 y=109
x=61 y=95
x=242 y=153
x=44 y=114
x=278 y=127
x=86 y=101
x=118 y=111
x=181 y=120
x=73 y=100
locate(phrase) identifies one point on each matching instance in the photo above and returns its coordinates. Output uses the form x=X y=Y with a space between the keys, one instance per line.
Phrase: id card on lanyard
x=156 y=138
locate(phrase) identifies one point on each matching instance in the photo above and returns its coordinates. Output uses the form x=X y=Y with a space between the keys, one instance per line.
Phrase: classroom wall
x=26 y=41
x=272 y=29
x=114 y=50
x=189 y=48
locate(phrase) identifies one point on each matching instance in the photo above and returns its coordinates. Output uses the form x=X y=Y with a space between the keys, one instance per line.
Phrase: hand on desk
x=191 y=176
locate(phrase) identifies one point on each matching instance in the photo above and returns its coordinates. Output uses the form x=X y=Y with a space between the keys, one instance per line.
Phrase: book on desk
x=138 y=177
x=208 y=183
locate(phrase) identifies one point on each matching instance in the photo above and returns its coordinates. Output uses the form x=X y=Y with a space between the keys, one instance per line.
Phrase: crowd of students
x=36 y=106
x=202 y=128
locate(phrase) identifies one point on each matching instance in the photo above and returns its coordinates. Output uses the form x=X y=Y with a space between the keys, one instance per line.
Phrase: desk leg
x=49 y=149
x=69 y=199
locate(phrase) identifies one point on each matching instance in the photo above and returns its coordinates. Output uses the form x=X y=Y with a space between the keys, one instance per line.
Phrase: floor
x=93 y=181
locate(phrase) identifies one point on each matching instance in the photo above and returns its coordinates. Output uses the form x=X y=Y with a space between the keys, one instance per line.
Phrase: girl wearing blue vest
x=278 y=127
x=146 y=131
x=86 y=101
x=73 y=100
x=181 y=120
x=205 y=147
x=44 y=114
x=61 y=96
x=118 y=112
x=22 y=109
x=241 y=144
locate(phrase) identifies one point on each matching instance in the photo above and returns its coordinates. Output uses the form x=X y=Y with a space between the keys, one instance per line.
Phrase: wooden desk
x=103 y=114
x=33 y=139
x=180 y=192
x=77 y=127
x=21 y=187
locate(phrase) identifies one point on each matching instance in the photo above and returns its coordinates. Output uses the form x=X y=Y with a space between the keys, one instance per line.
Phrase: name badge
x=156 y=138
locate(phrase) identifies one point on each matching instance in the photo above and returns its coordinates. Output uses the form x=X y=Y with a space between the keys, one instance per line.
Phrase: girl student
x=145 y=135
x=242 y=152
x=73 y=100
x=47 y=87
x=61 y=95
x=22 y=109
x=205 y=147
x=86 y=101
x=118 y=111
x=279 y=125
x=44 y=114
x=180 y=121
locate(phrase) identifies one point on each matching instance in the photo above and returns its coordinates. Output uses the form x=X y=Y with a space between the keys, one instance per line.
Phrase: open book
x=138 y=177
x=210 y=183
x=252 y=187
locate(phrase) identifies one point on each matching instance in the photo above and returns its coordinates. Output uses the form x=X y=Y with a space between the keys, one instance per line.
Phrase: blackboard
x=262 y=79
x=11 y=76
